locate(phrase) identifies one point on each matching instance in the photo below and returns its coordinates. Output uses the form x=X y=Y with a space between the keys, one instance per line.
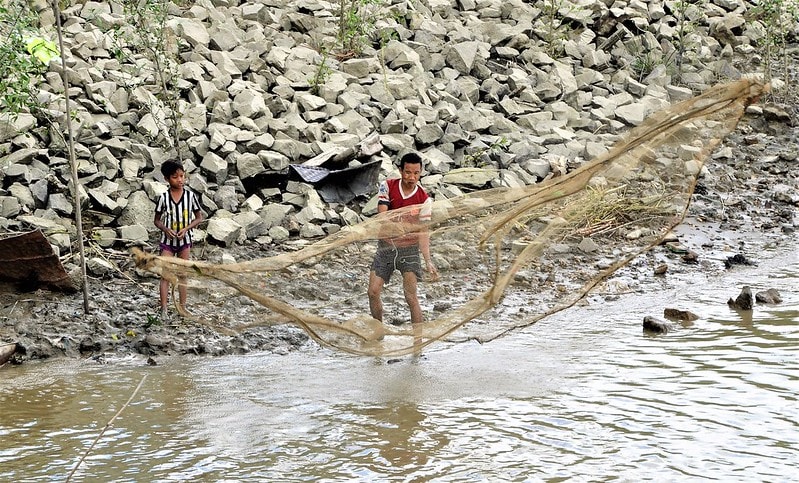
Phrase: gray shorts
x=389 y=258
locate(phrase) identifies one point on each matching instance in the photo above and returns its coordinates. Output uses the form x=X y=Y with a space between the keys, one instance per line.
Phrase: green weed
x=20 y=71
x=687 y=15
x=321 y=74
x=479 y=157
x=145 y=34
x=555 y=30
x=153 y=320
x=357 y=23
x=779 y=19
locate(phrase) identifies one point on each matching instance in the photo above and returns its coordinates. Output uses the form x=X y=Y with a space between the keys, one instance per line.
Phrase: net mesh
x=527 y=243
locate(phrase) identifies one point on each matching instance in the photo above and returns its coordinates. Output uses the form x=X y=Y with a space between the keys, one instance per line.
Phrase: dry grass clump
x=604 y=211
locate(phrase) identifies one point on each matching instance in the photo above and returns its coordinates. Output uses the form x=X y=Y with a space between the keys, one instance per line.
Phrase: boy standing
x=176 y=214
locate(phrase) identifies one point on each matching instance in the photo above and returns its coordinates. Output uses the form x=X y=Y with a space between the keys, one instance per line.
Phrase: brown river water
x=584 y=395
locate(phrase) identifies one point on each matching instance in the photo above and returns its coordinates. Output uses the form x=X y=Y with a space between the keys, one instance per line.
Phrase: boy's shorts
x=174 y=250
x=389 y=258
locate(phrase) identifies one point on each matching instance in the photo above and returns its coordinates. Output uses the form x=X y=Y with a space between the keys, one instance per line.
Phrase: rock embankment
x=510 y=89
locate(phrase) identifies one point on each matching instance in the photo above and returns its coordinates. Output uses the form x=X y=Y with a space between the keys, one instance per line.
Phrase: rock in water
x=677 y=314
x=744 y=301
x=655 y=326
x=770 y=296
x=6 y=352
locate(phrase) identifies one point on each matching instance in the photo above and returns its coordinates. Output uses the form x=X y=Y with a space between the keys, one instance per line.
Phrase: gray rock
x=59 y=203
x=105 y=237
x=249 y=165
x=279 y=234
x=254 y=226
x=139 y=210
x=587 y=245
x=632 y=114
x=100 y=267
x=428 y=134
x=135 y=234
x=472 y=177
x=224 y=230
x=310 y=230
x=744 y=301
x=655 y=325
x=11 y=126
x=770 y=296
x=192 y=31
x=225 y=36
x=104 y=202
x=360 y=68
x=249 y=103
x=214 y=167
x=274 y=214
x=24 y=196
x=349 y=217
x=9 y=207
x=462 y=56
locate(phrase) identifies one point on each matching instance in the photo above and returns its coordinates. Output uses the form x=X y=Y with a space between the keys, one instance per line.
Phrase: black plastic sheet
x=339 y=185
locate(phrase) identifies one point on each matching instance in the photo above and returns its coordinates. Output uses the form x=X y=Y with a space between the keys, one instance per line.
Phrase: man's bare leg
x=373 y=292
x=409 y=285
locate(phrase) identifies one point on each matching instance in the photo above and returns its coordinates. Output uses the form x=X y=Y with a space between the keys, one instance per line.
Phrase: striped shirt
x=177 y=215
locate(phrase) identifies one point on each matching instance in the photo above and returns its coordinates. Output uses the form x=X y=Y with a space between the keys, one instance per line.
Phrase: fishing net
x=530 y=243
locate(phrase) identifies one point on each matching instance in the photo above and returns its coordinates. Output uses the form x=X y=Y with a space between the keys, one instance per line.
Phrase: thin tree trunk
x=73 y=163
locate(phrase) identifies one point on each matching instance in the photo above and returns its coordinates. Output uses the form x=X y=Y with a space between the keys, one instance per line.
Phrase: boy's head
x=410 y=158
x=170 y=167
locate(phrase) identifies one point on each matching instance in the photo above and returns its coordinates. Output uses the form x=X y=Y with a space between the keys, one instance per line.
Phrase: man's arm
x=424 y=239
x=424 y=247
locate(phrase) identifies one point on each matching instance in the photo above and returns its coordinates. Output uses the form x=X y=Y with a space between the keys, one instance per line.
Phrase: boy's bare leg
x=163 y=289
x=163 y=292
x=182 y=296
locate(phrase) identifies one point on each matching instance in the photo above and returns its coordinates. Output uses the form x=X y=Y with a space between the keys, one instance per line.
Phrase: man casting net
x=625 y=201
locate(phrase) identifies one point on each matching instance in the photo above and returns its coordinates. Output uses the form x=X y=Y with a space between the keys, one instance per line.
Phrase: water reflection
x=399 y=435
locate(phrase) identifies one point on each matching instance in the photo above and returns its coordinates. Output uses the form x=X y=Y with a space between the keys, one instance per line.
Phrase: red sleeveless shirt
x=390 y=194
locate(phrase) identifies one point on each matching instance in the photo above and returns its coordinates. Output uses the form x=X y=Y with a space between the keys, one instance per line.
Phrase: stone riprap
x=493 y=93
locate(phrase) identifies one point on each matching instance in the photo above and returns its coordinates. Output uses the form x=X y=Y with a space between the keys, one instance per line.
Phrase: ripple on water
x=584 y=395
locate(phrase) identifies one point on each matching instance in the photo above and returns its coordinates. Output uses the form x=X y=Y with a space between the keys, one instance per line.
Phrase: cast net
x=526 y=242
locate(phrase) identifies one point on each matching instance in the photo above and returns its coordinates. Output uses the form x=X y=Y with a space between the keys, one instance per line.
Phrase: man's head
x=410 y=170
x=410 y=158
